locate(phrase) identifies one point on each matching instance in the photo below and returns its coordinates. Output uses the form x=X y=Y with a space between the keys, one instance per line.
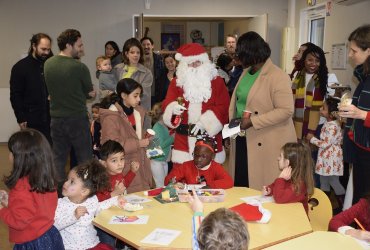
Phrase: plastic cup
x=150 y=133
x=247 y=114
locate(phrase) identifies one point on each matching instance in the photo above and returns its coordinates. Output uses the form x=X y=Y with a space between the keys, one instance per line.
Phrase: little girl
x=79 y=206
x=329 y=163
x=295 y=182
x=159 y=165
x=30 y=207
x=122 y=119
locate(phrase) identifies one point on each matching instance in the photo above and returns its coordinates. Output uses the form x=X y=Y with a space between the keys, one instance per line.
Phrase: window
x=312 y=25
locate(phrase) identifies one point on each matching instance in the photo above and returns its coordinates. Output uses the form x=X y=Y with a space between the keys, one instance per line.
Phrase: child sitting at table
x=295 y=183
x=221 y=229
x=77 y=209
x=203 y=169
x=359 y=213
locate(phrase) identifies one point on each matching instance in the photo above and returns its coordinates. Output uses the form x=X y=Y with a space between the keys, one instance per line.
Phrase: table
x=288 y=221
x=319 y=240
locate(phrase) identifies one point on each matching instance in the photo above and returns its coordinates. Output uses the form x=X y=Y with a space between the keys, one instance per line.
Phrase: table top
x=319 y=240
x=288 y=221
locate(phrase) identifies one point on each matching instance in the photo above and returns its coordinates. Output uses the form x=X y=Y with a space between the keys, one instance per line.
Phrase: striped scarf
x=307 y=103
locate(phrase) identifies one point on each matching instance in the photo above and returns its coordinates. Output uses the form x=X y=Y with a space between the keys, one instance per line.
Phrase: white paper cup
x=150 y=133
x=247 y=114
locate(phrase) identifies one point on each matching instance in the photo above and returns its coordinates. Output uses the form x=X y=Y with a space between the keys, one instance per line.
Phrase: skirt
x=50 y=240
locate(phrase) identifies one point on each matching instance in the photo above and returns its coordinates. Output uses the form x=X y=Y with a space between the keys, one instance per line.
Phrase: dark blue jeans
x=70 y=132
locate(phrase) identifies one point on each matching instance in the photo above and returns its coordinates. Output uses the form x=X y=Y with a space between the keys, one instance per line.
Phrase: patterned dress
x=330 y=156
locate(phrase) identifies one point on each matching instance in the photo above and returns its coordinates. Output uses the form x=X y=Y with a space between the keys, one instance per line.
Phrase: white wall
x=100 y=21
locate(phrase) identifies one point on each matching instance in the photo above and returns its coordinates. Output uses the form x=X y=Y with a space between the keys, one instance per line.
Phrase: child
x=329 y=163
x=159 y=165
x=79 y=206
x=295 y=182
x=122 y=120
x=359 y=211
x=203 y=169
x=30 y=207
x=107 y=80
x=221 y=229
x=95 y=129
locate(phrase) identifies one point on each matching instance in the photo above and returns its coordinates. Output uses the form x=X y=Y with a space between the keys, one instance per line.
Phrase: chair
x=319 y=210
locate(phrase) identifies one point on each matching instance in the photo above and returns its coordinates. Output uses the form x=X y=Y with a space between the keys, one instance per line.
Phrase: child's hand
x=121 y=201
x=359 y=234
x=266 y=190
x=309 y=136
x=134 y=166
x=143 y=143
x=80 y=211
x=119 y=188
x=286 y=173
x=195 y=204
x=3 y=198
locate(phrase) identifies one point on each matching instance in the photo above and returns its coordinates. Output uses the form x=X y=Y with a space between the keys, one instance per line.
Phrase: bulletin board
x=339 y=56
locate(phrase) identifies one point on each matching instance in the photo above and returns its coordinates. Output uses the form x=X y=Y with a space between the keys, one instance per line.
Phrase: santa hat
x=191 y=52
x=253 y=211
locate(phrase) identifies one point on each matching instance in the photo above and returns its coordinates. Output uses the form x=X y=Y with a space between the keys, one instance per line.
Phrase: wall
x=100 y=21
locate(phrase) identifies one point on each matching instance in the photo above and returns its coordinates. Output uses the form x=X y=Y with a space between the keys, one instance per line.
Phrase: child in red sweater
x=203 y=169
x=29 y=208
x=295 y=183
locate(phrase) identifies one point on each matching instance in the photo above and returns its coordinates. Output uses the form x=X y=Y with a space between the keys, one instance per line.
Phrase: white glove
x=198 y=127
x=178 y=109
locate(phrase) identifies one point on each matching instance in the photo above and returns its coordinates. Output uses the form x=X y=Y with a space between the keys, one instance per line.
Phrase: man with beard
x=69 y=84
x=154 y=63
x=28 y=92
x=230 y=45
x=205 y=107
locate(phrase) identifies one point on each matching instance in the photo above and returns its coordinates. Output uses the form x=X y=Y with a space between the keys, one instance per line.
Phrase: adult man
x=230 y=45
x=206 y=102
x=69 y=84
x=28 y=92
x=154 y=63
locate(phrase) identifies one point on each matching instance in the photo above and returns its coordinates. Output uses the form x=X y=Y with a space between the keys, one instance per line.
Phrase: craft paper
x=260 y=198
x=227 y=132
x=136 y=199
x=161 y=236
x=129 y=219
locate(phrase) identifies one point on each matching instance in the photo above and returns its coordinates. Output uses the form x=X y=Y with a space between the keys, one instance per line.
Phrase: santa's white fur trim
x=211 y=123
x=266 y=214
x=194 y=112
x=189 y=59
x=167 y=115
x=179 y=156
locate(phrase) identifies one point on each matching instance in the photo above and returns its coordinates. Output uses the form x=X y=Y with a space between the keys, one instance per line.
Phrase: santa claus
x=205 y=106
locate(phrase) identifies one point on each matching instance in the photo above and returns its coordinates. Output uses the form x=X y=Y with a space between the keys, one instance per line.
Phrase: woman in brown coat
x=264 y=90
x=122 y=120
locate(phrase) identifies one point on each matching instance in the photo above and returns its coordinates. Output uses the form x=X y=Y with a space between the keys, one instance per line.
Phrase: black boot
x=340 y=200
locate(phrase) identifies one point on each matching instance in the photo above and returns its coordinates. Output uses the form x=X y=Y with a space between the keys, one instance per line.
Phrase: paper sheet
x=129 y=219
x=136 y=199
x=260 y=198
x=227 y=132
x=161 y=236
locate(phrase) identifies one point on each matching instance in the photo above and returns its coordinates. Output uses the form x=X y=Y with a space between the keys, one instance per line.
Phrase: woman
x=166 y=76
x=298 y=63
x=132 y=67
x=356 y=140
x=264 y=90
x=112 y=51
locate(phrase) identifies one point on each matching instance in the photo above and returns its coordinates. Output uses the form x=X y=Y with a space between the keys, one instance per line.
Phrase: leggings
x=333 y=181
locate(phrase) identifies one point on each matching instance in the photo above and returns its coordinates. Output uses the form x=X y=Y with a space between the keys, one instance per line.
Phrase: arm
x=106 y=204
x=128 y=178
x=17 y=88
x=331 y=135
x=64 y=215
x=221 y=179
x=86 y=82
x=177 y=172
x=283 y=192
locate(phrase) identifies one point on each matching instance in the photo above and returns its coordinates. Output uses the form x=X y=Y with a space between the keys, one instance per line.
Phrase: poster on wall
x=338 y=56
x=170 y=41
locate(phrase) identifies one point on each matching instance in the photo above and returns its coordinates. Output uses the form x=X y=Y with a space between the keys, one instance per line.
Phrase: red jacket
x=216 y=176
x=283 y=192
x=29 y=214
x=361 y=211
x=127 y=179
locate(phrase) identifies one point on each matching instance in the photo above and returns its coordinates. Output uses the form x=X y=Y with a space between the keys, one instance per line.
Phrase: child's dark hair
x=95 y=105
x=110 y=147
x=32 y=158
x=332 y=104
x=206 y=139
x=300 y=159
x=223 y=61
x=93 y=175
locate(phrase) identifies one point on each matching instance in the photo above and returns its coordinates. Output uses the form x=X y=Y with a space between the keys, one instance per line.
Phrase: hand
x=121 y=201
x=119 y=188
x=178 y=109
x=80 y=211
x=198 y=127
x=92 y=93
x=23 y=125
x=309 y=136
x=195 y=204
x=134 y=166
x=359 y=234
x=266 y=190
x=3 y=198
x=245 y=123
x=286 y=173
x=351 y=111
x=143 y=143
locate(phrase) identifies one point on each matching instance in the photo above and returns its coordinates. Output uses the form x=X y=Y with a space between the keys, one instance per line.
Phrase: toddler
x=295 y=183
x=107 y=80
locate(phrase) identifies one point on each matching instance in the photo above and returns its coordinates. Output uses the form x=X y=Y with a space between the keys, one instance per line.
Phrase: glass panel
x=317 y=31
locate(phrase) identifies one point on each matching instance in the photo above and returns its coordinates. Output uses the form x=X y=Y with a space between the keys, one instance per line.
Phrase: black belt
x=185 y=129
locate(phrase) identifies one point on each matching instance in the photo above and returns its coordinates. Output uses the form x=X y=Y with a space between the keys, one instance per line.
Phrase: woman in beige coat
x=264 y=90
x=122 y=120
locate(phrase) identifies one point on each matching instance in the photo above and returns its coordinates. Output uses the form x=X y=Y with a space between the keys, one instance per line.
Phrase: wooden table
x=319 y=240
x=288 y=221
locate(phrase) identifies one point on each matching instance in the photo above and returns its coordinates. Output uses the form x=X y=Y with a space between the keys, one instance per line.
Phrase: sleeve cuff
x=342 y=230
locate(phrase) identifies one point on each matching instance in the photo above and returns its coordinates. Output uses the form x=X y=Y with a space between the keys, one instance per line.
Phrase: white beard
x=196 y=82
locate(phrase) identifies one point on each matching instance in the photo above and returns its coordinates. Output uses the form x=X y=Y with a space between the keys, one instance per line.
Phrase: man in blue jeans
x=69 y=84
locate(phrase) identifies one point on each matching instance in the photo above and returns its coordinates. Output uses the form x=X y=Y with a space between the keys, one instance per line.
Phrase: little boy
x=95 y=129
x=107 y=80
x=203 y=169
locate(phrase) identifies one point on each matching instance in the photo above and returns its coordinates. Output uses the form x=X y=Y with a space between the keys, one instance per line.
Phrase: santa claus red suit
x=206 y=103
